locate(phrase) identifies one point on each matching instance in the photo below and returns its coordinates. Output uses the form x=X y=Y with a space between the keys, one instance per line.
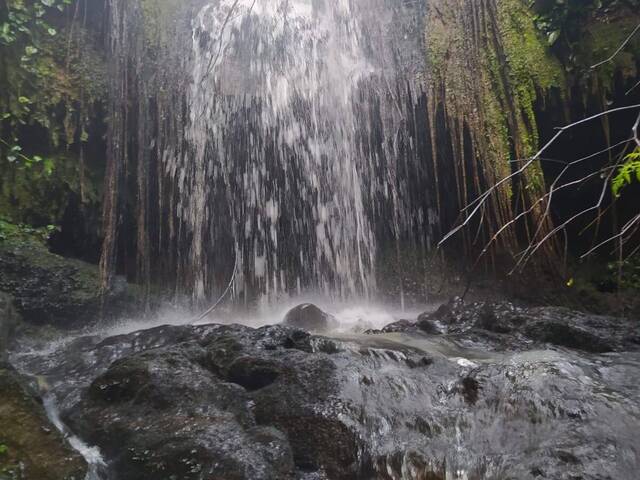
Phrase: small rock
x=310 y=318
x=399 y=326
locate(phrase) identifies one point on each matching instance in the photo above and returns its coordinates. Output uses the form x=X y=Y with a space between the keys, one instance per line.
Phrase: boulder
x=310 y=318
x=230 y=401
x=53 y=290
x=129 y=410
x=399 y=326
x=30 y=446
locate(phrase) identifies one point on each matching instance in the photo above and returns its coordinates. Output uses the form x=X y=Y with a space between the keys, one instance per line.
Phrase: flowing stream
x=451 y=404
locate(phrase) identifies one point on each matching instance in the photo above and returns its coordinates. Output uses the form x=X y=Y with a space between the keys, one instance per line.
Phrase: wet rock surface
x=30 y=446
x=9 y=319
x=231 y=402
x=504 y=326
x=310 y=318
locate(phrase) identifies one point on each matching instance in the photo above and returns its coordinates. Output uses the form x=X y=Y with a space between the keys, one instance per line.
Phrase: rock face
x=231 y=402
x=30 y=446
x=8 y=321
x=49 y=289
x=310 y=318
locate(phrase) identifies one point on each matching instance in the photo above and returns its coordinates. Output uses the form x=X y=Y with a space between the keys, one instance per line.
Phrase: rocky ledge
x=506 y=326
x=230 y=402
x=52 y=290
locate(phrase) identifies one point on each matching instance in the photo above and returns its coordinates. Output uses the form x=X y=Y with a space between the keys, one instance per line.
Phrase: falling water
x=282 y=140
x=293 y=145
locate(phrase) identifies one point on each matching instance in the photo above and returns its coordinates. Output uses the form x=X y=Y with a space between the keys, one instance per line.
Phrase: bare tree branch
x=620 y=48
x=477 y=204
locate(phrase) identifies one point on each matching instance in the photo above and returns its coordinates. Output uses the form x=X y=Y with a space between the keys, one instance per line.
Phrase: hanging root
x=222 y=297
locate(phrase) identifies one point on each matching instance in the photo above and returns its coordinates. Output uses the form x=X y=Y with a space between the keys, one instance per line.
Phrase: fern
x=626 y=173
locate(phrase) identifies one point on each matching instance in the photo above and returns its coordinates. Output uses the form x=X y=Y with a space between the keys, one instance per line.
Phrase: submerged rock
x=310 y=318
x=30 y=446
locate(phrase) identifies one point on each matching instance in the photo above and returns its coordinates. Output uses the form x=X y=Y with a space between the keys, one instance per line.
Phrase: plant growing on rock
x=51 y=82
x=618 y=172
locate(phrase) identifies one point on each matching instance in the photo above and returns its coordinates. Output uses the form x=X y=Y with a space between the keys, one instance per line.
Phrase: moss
x=32 y=447
x=519 y=52
x=531 y=63
x=30 y=245
x=490 y=67
x=49 y=288
x=533 y=70
x=602 y=37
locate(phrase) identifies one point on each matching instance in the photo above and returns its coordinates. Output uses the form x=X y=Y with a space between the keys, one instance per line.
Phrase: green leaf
x=23 y=100
x=48 y=167
x=627 y=172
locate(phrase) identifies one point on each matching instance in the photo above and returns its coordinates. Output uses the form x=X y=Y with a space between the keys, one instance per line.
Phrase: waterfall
x=273 y=126
x=293 y=150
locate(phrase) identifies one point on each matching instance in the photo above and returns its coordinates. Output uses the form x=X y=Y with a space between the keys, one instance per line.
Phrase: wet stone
x=274 y=403
x=310 y=318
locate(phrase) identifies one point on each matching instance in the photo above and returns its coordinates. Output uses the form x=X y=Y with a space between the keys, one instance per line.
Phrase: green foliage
x=3 y=449
x=627 y=172
x=16 y=157
x=532 y=70
x=563 y=18
x=18 y=233
x=52 y=80
x=27 y=19
x=583 y=33
x=33 y=80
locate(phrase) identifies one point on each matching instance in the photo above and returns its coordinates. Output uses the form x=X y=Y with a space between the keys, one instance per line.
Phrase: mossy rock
x=50 y=289
x=8 y=320
x=30 y=446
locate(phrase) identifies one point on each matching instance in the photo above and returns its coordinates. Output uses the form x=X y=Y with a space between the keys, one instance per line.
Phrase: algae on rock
x=492 y=70
x=32 y=447
x=49 y=288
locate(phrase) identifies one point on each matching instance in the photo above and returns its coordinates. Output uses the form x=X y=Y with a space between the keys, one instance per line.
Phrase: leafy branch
x=27 y=19
x=15 y=153
x=627 y=172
